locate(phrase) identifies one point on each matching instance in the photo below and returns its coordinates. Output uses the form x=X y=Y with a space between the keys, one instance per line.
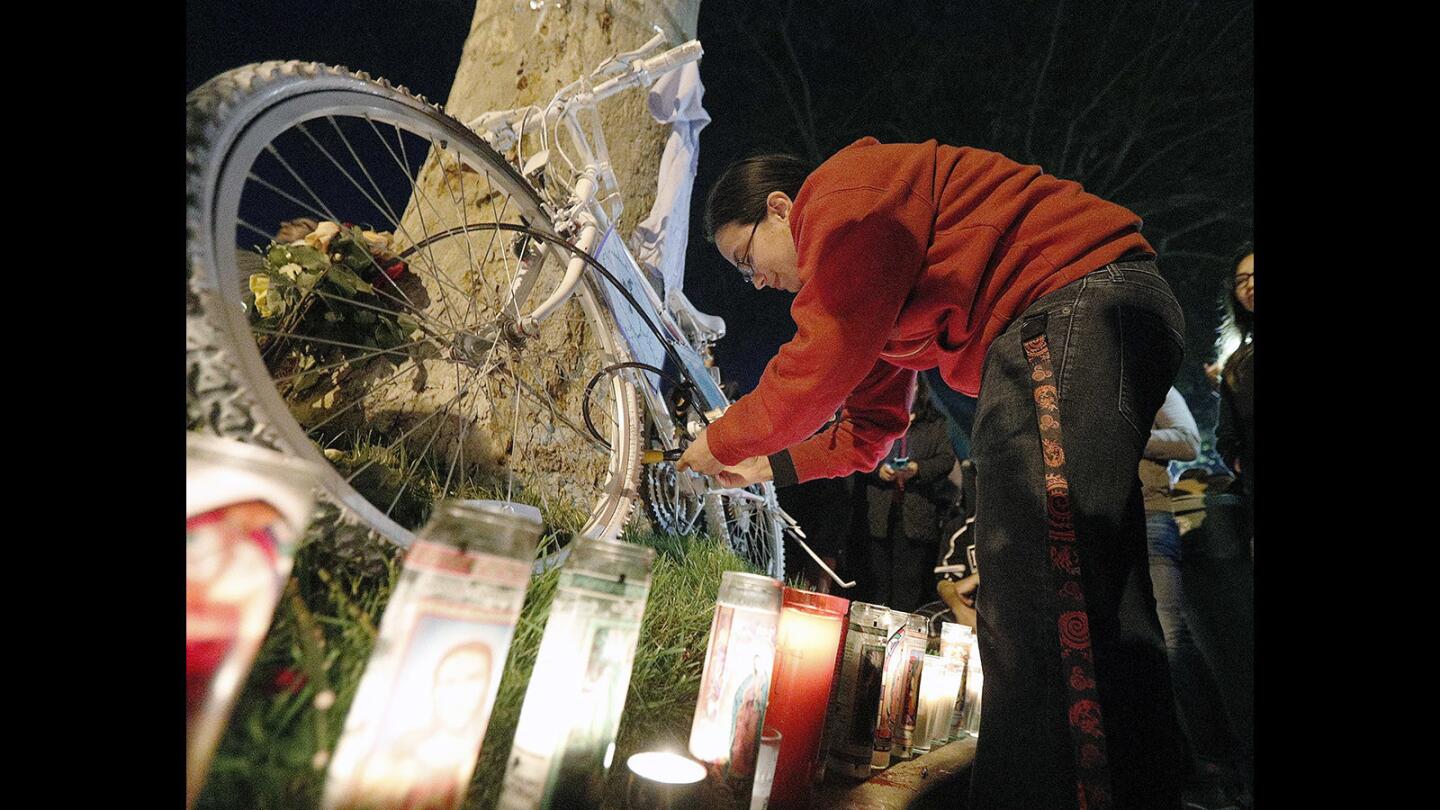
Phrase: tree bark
x=517 y=57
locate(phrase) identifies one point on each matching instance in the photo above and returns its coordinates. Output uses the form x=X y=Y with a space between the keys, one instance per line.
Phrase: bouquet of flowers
x=328 y=294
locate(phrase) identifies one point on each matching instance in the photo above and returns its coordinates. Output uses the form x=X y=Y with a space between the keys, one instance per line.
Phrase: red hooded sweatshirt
x=911 y=256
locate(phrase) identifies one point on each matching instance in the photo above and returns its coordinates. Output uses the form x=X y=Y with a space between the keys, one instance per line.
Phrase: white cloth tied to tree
x=659 y=240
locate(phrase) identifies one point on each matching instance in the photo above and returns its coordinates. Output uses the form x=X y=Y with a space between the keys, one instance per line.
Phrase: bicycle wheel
x=354 y=255
x=671 y=502
x=750 y=526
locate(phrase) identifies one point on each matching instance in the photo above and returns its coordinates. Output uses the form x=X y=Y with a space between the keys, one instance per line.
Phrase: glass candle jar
x=245 y=510
x=735 y=687
x=853 y=712
x=974 y=687
x=418 y=720
x=903 y=662
x=955 y=641
x=765 y=768
x=565 y=737
x=809 y=636
x=935 y=705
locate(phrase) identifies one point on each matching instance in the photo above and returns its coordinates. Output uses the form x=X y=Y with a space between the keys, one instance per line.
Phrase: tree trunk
x=517 y=57
x=513 y=57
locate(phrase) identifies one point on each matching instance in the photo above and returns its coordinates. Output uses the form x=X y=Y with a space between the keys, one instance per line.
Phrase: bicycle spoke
x=514 y=429
x=327 y=420
x=465 y=221
x=406 y=434
x=329 y=366
x=386 y=210
x=416 y=195
x=438 y=329
x=435 y=434
x=270 y=237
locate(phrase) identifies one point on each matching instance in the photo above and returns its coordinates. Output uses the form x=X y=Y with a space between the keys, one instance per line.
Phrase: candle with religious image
x=902 y=680
x=855 y=703
x=419 y=716
x=565 y=738
x=735 y=687
x=809 y=635
x=955 y=641
x=245 y=510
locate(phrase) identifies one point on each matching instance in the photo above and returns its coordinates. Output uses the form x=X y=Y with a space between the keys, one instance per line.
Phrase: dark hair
x=1237 y=323
x=739 y=195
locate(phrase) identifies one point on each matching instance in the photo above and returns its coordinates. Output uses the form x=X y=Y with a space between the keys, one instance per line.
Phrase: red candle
x=806 y=645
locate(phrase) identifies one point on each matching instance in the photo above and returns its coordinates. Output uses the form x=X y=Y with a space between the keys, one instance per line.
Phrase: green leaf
x=275 y=256
x=407 y=323
x=334 y=317
x=340 y=271
x=308 y=257
x=340 y=280
x=364 y=316
x=306 y=280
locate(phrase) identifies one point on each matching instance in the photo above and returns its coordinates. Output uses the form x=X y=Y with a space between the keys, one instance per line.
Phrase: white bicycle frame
x=588 y=218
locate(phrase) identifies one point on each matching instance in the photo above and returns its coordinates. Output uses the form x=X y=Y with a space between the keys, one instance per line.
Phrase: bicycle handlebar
x=646 y=71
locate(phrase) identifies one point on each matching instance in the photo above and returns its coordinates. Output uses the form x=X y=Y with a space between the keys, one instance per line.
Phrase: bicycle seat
x=710 y=327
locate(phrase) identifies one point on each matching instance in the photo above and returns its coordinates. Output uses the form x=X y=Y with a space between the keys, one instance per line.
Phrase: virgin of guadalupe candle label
x=886 y=726
x=414 y=731
x=734 y=692
x=565 y=738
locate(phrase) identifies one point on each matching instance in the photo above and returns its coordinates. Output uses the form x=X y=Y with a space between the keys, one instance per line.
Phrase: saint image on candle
x=231 y=586
x=750 y=702
x=424 y=753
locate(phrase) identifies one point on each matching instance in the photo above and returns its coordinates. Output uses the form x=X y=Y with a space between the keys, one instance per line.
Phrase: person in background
x=1235 y=432
x=898 y=511
x=1175 y=436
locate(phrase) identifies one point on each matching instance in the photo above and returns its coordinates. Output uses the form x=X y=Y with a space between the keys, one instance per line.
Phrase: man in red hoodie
x=906 y=257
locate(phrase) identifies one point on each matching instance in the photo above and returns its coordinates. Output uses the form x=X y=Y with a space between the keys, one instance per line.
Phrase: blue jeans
x=1116 y=342
x=1197 y=700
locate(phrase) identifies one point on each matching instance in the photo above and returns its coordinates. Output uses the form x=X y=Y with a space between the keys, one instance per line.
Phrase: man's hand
x=959 y=596
x=750 y=471
x=698 y=457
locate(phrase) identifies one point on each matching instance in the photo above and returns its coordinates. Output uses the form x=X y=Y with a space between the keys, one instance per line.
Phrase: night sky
x=1149 y=104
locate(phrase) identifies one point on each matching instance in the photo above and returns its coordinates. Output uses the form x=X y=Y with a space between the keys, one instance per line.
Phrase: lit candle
x=904 y=657
x=974 y=687
x=932 y=702
x=245 y=509
x=565 y=738
x=735 y=687
x=419 y=716
x=955 y=649
x=765 y=769
x=660 y=780
x=809 y=636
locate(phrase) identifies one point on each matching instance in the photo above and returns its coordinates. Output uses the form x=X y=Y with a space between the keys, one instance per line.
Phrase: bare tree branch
x=800 y=75
x=1172 y=146
x=806 y=134
x=1040 y=80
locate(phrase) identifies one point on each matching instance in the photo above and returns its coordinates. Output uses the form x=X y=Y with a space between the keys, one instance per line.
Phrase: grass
x=273 y=752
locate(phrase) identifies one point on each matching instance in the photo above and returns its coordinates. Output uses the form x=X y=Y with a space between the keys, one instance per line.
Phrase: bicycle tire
x=235 y=118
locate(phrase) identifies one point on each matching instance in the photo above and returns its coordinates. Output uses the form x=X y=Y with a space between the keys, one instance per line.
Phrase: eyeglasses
x=747 y=270
x=1241 y=279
